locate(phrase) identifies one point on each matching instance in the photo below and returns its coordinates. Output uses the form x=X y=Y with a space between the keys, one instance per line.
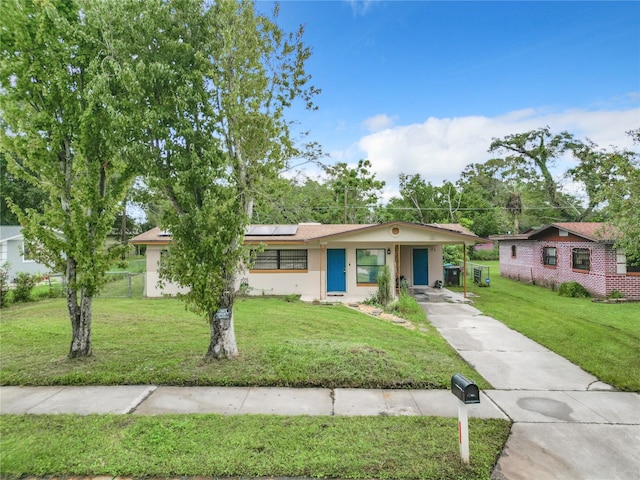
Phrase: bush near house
x=25 y=282
x=573 y=290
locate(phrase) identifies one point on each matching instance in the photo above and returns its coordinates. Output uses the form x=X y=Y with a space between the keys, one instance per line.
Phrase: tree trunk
x=222 y=343
x=80 y=315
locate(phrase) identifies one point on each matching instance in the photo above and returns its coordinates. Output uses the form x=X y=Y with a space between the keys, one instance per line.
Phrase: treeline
x=512 y=191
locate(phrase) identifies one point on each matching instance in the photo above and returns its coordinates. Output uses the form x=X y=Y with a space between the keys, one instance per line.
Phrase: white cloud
x=378 y=122
x=359 y=7
x=440 y=148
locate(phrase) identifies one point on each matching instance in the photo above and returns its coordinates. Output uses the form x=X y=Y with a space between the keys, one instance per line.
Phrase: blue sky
x=423 y=87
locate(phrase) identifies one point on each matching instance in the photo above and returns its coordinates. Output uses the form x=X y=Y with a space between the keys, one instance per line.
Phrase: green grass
x=246 y=446
x=281 y=343
x=602 y=338
x=137 y=341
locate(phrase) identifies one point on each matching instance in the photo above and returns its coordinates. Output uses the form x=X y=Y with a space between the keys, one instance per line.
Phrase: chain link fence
x=119 y=285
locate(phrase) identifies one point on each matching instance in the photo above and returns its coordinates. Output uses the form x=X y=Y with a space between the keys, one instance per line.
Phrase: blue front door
x=336 y=270
x=420 y=266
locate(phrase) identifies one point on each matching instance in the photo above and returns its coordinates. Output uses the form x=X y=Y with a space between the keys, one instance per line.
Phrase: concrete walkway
x=567 y=424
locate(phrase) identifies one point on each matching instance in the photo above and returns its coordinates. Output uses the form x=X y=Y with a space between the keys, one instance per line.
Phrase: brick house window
x=550 y=256
x=581 y=259
x=281 y=260
x=626 y=266
x=513 y=251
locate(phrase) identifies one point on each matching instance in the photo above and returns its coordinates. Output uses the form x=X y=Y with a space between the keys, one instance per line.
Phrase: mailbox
x=464 y=389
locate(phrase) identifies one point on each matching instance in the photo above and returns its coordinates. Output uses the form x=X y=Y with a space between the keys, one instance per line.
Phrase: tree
x=215 y=131
x=356 y=191
x=532 y=154
x=64 y=102
x=296 y=200
x=611 y=179
x=416 y=203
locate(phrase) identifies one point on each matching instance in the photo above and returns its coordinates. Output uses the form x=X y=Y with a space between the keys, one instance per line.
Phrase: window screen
x=581 y=259
x=281 y=260
x=549 y=256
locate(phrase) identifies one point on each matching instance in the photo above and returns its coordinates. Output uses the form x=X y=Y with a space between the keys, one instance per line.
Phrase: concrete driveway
x=567 y=424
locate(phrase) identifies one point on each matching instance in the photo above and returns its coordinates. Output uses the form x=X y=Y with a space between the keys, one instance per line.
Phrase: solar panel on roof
x=271 y=230
x=262 y=230
x=286 y=230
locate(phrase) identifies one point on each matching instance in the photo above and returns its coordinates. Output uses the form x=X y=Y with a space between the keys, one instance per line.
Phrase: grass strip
x=247 y=446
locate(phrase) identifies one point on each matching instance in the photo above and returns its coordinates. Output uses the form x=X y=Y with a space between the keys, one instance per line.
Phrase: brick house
x=574 y=251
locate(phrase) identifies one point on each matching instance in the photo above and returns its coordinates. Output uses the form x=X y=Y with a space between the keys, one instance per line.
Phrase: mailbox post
x=466 y=392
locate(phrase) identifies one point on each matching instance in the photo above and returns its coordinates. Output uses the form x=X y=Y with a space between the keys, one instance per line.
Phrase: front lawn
x=603 y=339
x=281 y=343
x=156 y=341
x=249 y=446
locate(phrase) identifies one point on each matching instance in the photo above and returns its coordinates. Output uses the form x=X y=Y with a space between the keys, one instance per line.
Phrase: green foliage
x=236 y=77
x=20 y=192
x=406 y=306
x=615 y=294
x=4 y=284
x=246 y=446
x=573 y=290
x=612 y=180
x=484 y=255
x=24 y=286
x=356 y=191
x=68 y=102
x=385 y=291
x=452 y=254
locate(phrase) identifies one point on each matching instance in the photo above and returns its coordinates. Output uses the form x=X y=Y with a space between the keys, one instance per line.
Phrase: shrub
x=616 y=294
x=406 y=304
x=372 y=299
x=573 y=289
x=452 y=254
x=485 y=255
x=385 y=294
x=4 y=285
x=24 y=285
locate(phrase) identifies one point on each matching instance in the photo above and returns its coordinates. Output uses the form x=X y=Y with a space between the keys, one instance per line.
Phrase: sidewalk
x=567 y=424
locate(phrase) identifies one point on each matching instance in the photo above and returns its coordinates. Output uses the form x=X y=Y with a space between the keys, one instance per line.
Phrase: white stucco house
x=328 y=262
x=14 y=252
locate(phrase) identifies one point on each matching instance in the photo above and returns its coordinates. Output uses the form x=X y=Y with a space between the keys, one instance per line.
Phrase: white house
x=14 y=252
x=329 y=262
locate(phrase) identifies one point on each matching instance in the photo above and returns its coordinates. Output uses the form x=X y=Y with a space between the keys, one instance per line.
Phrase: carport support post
x=463 y=432
x=464 y=269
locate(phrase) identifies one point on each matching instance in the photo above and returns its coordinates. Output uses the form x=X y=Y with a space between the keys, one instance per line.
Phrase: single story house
x=14 y=252
x=328 y=262
x=575 y=251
